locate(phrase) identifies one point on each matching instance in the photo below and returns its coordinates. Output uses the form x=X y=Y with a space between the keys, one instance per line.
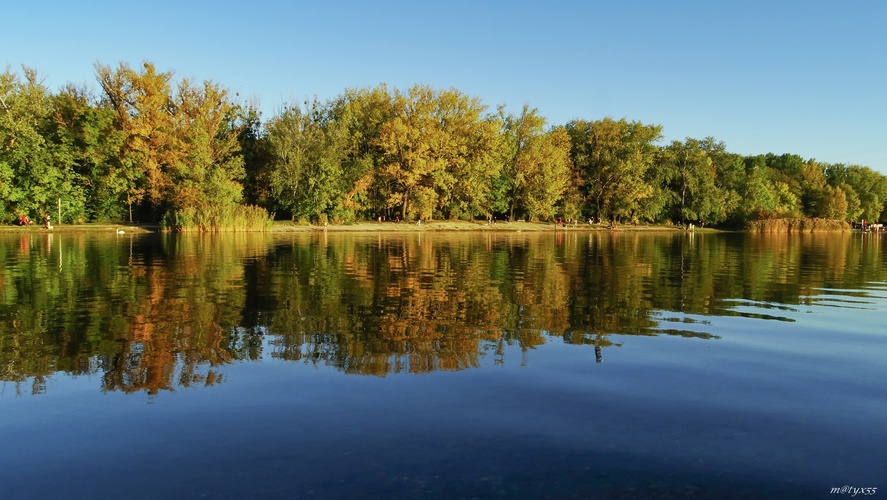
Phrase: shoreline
x=367 y=227
x=430 y=227
x=766 y=226
x=460 y=226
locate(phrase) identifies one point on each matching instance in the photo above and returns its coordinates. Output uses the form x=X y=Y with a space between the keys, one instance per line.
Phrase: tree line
x=147 y=147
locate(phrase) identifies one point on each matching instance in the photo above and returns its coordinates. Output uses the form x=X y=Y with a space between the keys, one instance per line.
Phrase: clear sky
x=804 y=77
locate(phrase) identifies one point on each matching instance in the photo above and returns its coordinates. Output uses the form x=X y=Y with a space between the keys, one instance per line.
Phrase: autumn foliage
x=153 y=148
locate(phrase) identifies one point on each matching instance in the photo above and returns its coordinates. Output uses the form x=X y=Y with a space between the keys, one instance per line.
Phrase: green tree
x=363 y=112
x=474 y=147
x=615 y=158
x=813 y=185
x=33 y=173
x=854 y=203
x=84 y=133
x=436 y=153
x=308 y=150
x=833 y=203
x=410 y=159
x=840 y=175
x=757 y=191
x=469 y=145
x=209 y=165
x=764 y=197
x=547 y=179
x=257 y=158
x=729 y=175
x=521 y=155
x=871 y=188
x=787 y=169
x=696 y=196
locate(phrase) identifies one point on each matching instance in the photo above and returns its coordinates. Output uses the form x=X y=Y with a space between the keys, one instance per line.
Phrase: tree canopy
x=148 y=146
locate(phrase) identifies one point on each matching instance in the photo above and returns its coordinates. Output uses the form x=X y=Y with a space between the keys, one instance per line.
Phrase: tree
x=758 y=199
x=871 y=188
x=764 y=197
x=436 y=153
x=145 y=114
x=854 y=203
x=813 y=187
x=547 y=179
x=521 y=149
x=410 y=159
x=363 y=112
x=696 y=196
x=308 y=150
x=209 y=166
x=614 y=158
x=180 y=149
x=729 y=175
x=257 y=158
x=85 y=138
x=833 y=203
x=786 y=168
x=469 y=145
x=840 y=175
x=36 y=165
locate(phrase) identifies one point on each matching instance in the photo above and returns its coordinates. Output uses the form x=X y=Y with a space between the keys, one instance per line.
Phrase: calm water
x=442 y=365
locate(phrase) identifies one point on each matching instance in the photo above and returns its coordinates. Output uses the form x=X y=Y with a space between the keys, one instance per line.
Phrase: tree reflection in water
x=153 y=313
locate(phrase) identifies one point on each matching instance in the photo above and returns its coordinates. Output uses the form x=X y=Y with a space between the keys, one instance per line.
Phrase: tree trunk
x=406 y=202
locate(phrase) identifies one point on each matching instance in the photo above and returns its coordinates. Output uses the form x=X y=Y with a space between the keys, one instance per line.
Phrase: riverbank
x=84 y=228
x=369 y=226
x=457 y=226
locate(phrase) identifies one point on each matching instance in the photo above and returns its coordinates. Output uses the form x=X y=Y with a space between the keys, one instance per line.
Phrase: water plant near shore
x=215 y=219
x=797 y=225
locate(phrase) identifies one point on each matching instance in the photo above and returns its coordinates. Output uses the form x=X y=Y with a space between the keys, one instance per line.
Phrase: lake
x=442 y=365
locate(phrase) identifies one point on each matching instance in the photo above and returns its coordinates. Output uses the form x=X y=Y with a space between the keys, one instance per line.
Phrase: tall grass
x=797 y=225
x=217 y=219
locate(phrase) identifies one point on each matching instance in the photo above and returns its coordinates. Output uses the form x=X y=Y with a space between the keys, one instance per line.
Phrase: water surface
x=442 y=365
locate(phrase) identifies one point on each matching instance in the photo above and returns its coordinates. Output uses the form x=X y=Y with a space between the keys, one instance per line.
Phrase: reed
x=217 y=219
x=797 y=225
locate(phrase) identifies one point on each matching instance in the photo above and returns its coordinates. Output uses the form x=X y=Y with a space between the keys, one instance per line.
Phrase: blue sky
x=802 y=77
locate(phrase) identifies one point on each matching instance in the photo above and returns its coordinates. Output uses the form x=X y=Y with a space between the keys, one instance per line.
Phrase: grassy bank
x=797 y=225
x=83 y=228
x=371 y=226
